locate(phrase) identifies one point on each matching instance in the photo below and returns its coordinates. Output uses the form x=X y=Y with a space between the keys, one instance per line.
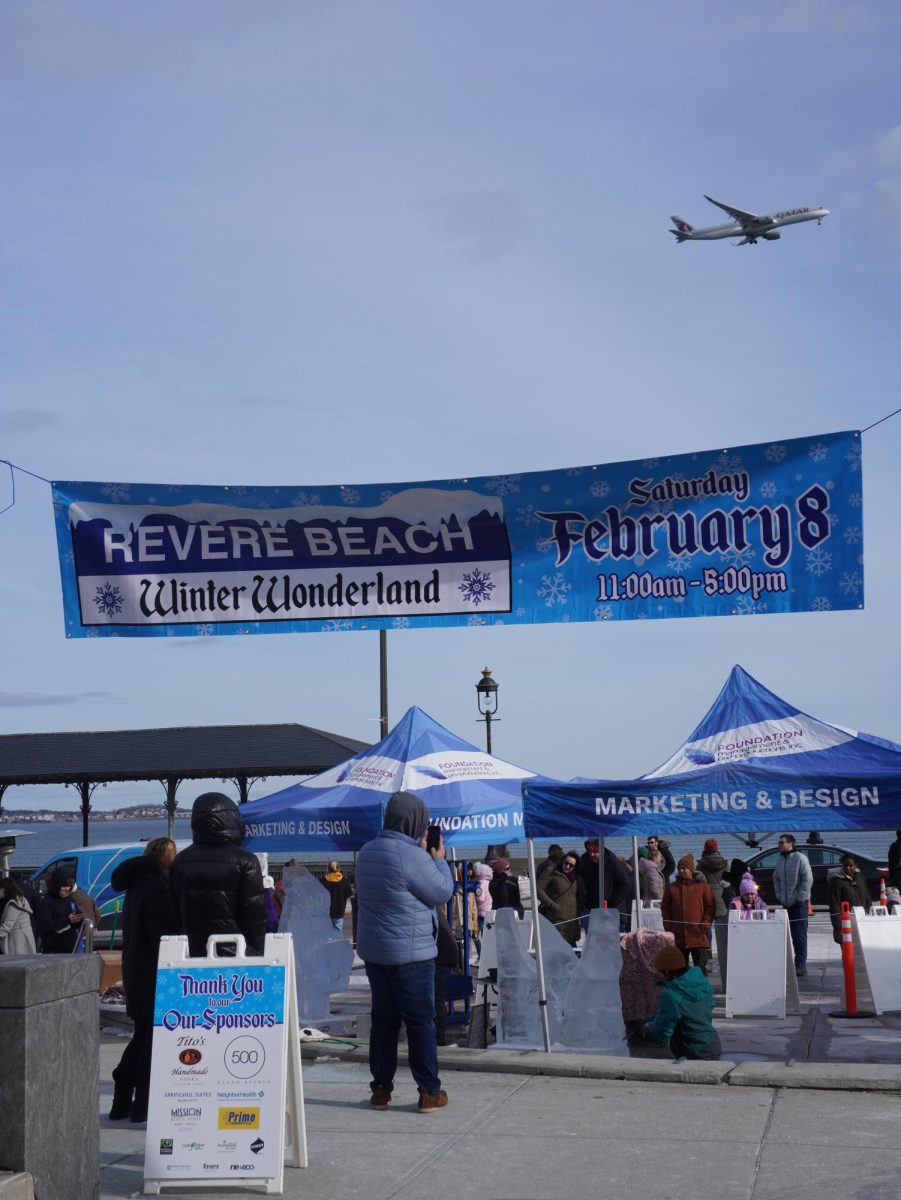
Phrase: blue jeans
x=797 y=924
x=403 y=993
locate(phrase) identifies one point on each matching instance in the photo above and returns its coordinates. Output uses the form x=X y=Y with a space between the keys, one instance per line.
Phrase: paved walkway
x=800 y=1108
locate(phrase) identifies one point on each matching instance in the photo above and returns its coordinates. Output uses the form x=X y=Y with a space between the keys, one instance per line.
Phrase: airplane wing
x=737 y=214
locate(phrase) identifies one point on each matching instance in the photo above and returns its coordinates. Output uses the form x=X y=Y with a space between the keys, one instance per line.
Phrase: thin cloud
x=23 y=420
x=51 y=700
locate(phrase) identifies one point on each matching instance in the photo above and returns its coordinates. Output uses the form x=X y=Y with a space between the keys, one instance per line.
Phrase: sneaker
x=381 y=1096
x=800 y=971
x=431 y=1101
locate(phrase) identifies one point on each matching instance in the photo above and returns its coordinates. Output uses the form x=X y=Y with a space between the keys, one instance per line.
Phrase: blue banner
x=775 y=527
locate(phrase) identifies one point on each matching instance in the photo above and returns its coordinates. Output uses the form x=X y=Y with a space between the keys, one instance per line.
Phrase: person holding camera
x=402 y=876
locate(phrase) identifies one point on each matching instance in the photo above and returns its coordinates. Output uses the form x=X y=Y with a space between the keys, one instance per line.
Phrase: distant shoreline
x=45 y=816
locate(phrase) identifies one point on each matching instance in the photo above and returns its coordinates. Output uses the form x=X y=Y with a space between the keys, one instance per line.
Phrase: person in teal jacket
x=685 y=1012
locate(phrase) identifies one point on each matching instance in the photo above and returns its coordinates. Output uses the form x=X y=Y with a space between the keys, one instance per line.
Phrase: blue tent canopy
x=474 y=797
x=754 y=762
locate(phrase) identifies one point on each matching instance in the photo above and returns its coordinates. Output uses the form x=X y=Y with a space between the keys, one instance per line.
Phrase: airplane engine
x=772 y=237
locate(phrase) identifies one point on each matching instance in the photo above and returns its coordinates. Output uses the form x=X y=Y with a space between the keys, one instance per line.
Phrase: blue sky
x=311 y=244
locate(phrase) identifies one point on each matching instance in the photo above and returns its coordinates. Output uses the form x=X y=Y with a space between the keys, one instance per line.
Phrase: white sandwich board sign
x=760 y=974
x=226 y=1092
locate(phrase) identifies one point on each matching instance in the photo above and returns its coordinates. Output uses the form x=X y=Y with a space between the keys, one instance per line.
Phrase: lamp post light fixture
x=486 y=695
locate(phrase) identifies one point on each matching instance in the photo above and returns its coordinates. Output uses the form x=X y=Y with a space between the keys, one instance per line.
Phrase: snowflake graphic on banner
x=117 y=492
x=553 y=589
x=850 y=583
x=476 y=586
x=504 y=485
x=819 y=561
x=818 y=452
x=775 y=453
x=108 y=599
x=821 y=604
x=304 y=499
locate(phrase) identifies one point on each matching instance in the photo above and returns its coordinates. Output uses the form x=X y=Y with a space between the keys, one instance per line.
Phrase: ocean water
x=48 y=839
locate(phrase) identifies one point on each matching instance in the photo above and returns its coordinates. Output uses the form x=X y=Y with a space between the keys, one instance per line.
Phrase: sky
x=313 y=244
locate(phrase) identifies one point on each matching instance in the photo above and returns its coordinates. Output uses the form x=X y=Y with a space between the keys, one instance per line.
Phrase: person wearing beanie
x=711 y=864
x=748 y=900
x=503 y=887
x=400 y=882
x=217 y=885
x=687 y=910
x=685 y=1011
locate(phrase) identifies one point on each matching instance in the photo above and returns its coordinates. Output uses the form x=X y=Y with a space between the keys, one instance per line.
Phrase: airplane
x=748 y=224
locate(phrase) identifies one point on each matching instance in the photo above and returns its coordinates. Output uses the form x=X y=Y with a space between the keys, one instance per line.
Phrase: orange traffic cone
x=882 y=897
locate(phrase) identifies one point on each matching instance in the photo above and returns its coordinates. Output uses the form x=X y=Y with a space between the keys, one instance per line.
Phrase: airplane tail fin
x=682 y=230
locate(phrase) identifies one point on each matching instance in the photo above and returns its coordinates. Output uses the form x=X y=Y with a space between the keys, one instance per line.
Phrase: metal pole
x=539 y=957
x=383 y=681
x=84 y=789
x=600 y=873
x=488 y=731
x=637 y=888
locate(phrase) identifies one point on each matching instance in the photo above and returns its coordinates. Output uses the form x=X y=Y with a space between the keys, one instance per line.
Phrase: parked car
x=823 y=860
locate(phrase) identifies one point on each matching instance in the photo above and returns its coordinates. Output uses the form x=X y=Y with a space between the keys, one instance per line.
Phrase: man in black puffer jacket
x=217 y=886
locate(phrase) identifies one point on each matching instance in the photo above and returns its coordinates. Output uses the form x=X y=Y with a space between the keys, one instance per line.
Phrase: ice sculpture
x=322 y=957
x=592 y=1006
x=518 y=1013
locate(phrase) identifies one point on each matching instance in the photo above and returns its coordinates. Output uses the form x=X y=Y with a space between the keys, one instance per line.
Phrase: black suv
x=823 y=859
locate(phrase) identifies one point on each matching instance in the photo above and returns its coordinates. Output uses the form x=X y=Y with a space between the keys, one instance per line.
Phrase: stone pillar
x=50 y=1049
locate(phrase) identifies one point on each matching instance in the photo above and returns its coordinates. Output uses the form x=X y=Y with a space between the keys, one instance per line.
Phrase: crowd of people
x=403 y=886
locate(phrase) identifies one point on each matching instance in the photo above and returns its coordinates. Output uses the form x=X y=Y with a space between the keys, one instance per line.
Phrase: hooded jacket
x=58 y=934
x=399 y=885
x=687 y=909
x=712 y=866
x=337 y=885
x=217 y=885
x=148 y=915
x=855 y=891
x=16 y=934
x=686 y=1004
x=484 y=875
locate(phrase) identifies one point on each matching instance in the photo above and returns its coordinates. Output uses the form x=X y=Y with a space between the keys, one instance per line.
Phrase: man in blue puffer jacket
x=399 y=885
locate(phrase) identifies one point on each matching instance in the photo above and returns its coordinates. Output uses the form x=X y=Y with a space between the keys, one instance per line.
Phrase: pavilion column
x=171 y=805
x=84 y=790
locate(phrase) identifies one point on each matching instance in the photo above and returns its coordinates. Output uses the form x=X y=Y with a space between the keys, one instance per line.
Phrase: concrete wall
x=49 y=1048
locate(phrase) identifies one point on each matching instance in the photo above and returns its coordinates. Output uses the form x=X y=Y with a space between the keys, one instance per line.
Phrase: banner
x=769 y=528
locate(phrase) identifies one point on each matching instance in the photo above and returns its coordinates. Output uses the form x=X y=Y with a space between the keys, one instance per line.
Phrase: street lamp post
x=486 y=695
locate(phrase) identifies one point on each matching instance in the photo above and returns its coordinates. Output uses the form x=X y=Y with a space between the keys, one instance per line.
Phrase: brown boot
x=431 y=1101
x=381 y=1096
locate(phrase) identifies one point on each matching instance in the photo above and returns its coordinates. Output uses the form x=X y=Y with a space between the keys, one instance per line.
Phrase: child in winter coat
x=747 y=900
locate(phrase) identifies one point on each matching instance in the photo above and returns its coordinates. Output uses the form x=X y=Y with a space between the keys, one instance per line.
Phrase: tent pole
x=383 y=682
x=637 y=888
x=600 y=873
x=539 y=958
